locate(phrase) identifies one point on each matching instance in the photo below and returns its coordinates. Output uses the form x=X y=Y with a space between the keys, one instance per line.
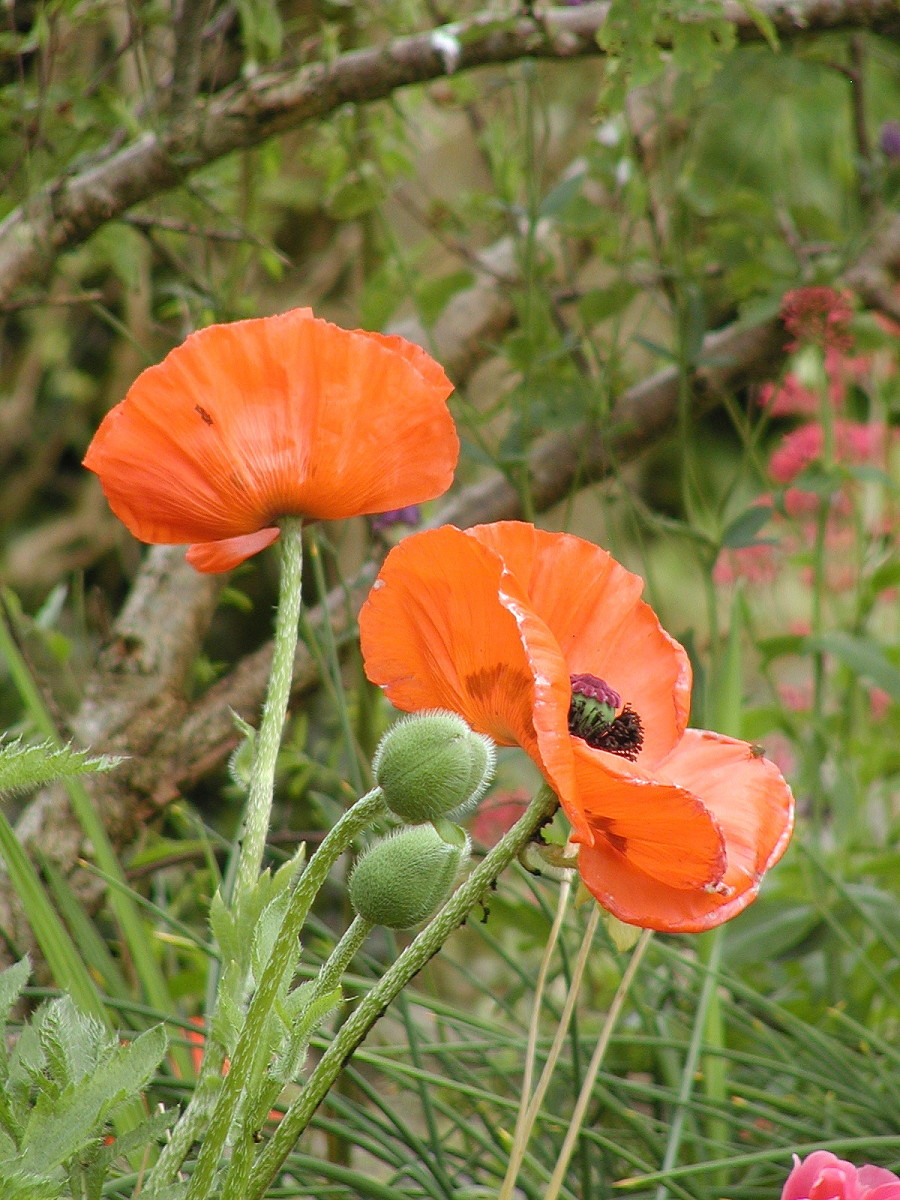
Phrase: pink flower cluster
x=824 y=1176
x=819 y=315
x=853 y=443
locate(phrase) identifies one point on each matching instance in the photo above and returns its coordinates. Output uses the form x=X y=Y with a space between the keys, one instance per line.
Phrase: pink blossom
x=879 y=702
x=854 y=442
x=789 y=399
x=798 y=503
x=824 y=1176
x=498 y=815
x=797 y=698
x=757 y=564
x=819 y=315
x=798 y=449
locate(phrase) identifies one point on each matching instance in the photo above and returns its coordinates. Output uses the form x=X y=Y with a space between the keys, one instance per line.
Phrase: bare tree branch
x=66 y=211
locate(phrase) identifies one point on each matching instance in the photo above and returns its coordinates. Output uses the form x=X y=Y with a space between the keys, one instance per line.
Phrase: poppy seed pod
x=431 y=764
x=405 y=878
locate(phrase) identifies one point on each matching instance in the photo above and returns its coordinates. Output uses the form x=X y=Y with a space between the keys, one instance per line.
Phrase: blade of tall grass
x=56 y=944
x=121 y=902
x=93 y=948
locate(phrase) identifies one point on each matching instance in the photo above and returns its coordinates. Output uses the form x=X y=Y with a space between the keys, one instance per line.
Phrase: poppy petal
x=446 y=626
x=663 y=830
x=753 y=807
x=283 y=415
x=746 y=794
x=211 y=558
x=594 y=608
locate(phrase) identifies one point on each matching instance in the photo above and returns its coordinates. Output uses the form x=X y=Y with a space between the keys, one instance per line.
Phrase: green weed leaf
x=23 y=767
x=863 y=657
x=64 y=1125
x=743 y=529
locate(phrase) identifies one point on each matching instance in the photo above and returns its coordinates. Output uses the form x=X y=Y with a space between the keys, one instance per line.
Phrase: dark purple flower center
x=594 y=717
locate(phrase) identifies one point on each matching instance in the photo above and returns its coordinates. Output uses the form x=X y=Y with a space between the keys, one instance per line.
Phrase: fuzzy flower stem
x=410 y=962
x=262 y=779
x=342 y=955
x=245 y=1061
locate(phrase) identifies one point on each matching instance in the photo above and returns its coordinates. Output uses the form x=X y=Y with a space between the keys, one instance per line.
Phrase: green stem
x=256 y=828
x=234 y=1186
x=410 y=962
x=342 y=955
x=246 y=1061
x=262 y=780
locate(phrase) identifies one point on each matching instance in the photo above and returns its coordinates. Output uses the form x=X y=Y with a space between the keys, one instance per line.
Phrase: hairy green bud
x=431 y=764
x=405 y=878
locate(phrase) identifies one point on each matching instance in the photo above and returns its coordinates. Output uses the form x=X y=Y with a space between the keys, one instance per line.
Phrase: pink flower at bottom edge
x=824 y=1176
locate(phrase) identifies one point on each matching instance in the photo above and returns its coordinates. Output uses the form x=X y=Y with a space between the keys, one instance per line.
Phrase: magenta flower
x=824 y=1176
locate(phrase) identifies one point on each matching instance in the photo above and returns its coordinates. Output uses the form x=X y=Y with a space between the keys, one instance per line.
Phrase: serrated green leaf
x=61 y=1128
x=73 y=1041
x=12 y=980
x=221 y=923
x=23 y=767
x=19 y=1184
x=153 y=1129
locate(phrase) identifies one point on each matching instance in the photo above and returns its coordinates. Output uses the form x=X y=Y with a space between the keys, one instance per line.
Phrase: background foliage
x=591 y=217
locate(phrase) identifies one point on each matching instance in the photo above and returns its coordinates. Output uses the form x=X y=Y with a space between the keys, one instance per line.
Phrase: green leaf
x=863 y=657
x=600 y=303
x=356 y=195
x=433 y=295
x=60 y=1128
x=12 y=980
x=656 y=348
x=17 y=1183
x=23 y=767
x=769 y=928
x=778 y=647
x=763 y=23
x=153 y=1129
x=558 y=198
x=743 y=529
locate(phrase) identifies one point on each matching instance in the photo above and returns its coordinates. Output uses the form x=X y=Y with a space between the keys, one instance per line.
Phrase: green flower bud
x=405 y=878
x=430 y=764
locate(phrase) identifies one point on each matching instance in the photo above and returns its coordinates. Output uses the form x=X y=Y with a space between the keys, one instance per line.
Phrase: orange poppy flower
x=542 y=640
x=278 y=416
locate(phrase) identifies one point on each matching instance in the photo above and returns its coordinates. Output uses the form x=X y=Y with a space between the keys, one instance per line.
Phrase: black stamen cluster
x=624 y=735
